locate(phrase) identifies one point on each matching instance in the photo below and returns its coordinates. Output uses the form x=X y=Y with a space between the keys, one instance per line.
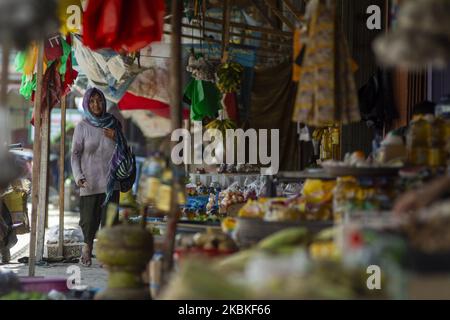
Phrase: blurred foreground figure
x=23 y=21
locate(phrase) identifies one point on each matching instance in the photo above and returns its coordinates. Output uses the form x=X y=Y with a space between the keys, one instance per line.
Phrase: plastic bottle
x=437 y=143
x=417 y=141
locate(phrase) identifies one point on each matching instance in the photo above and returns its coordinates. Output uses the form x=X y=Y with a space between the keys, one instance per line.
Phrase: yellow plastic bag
x=318 y=190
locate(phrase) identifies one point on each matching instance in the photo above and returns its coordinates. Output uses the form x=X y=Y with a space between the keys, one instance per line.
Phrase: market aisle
x=93 y=277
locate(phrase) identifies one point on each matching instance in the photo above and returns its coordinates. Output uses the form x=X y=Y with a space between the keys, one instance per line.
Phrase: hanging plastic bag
x=123 y=26
x=205 y=99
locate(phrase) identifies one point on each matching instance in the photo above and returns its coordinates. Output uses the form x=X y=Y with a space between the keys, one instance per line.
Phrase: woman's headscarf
x=122 y=164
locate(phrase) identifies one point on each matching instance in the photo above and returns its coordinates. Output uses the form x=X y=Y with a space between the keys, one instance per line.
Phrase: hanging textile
x=123 y=25
x=326 y=91
x=273 y=96
x=52 y=89
x=230 y=103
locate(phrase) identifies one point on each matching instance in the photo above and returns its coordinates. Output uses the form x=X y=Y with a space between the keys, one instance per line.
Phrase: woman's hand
x=82 y=183
x=109 y=133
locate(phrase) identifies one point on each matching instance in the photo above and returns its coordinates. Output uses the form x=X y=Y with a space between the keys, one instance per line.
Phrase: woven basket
x=70 y=251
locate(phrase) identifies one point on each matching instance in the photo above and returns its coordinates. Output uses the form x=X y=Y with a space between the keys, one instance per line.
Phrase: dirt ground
x=93 y=277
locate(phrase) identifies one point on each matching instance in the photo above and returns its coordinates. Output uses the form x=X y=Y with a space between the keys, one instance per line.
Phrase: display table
x=224 y=179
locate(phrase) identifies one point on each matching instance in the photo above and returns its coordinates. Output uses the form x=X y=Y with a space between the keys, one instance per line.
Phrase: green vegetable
x=290 y=236
x=16 y=295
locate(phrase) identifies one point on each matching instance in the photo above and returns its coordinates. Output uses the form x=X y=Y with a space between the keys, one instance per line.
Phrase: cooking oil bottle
x=437 y=156
x=417 y=141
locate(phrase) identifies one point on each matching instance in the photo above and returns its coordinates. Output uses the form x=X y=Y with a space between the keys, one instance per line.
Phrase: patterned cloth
x=326 y=92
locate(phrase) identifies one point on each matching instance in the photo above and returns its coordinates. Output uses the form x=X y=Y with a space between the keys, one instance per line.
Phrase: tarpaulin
x=104 y=70
x=134 y=102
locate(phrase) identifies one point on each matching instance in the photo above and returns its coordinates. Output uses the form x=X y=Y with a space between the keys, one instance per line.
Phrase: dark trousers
x=93 y=215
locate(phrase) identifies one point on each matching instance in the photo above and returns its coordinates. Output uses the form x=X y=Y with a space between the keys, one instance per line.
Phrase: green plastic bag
x=27 y=85
x=205 y=99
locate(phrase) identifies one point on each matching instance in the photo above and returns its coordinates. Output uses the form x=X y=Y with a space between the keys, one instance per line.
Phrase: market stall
x=339 y=219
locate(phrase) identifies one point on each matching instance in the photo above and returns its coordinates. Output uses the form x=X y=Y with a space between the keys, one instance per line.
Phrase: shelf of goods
x=224 y=179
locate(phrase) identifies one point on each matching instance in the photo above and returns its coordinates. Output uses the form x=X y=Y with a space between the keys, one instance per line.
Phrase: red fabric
x=51 y=88
x=132 y=102
x=231 y=105
x=123 y=25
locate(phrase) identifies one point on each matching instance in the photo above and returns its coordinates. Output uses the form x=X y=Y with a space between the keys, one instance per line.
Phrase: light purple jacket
x=91 y=154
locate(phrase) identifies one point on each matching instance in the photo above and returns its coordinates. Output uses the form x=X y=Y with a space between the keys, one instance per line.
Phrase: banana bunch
x=229 y=77
x=221 y=125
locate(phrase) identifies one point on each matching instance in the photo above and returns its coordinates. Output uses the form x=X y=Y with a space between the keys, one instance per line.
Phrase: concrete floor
x=92 y=277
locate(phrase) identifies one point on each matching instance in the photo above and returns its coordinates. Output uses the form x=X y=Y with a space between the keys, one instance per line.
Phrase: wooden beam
x=293 y=10
x=280 y=15
x=267 y=50
x=36 y=160
x=264 y=14
x=253 y=28
x=176 y=117
x=285 y=42
x=226 y=29
x=62 y=156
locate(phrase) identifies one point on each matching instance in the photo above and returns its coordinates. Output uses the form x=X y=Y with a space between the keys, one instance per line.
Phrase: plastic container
x=43 y=284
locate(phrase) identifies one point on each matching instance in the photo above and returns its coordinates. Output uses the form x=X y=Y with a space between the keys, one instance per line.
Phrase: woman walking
x=101 y=162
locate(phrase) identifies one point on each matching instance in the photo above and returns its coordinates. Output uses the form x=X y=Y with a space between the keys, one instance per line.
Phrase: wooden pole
x=5 y=76
x=62 y=156
x=226 y=29
x=176 y=117
x=36 y=160
x=43 y=183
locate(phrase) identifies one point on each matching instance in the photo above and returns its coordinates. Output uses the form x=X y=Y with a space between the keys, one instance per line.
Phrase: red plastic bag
x=122 y=25
x=53 y=47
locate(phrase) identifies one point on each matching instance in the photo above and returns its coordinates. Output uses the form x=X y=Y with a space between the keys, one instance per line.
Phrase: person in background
x=96 y=141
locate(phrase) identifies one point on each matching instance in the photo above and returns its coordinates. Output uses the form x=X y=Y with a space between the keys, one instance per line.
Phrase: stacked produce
x=277 y=268
x=228 y=198
x=314 y=204
x=211 y=243
x=202 y=203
